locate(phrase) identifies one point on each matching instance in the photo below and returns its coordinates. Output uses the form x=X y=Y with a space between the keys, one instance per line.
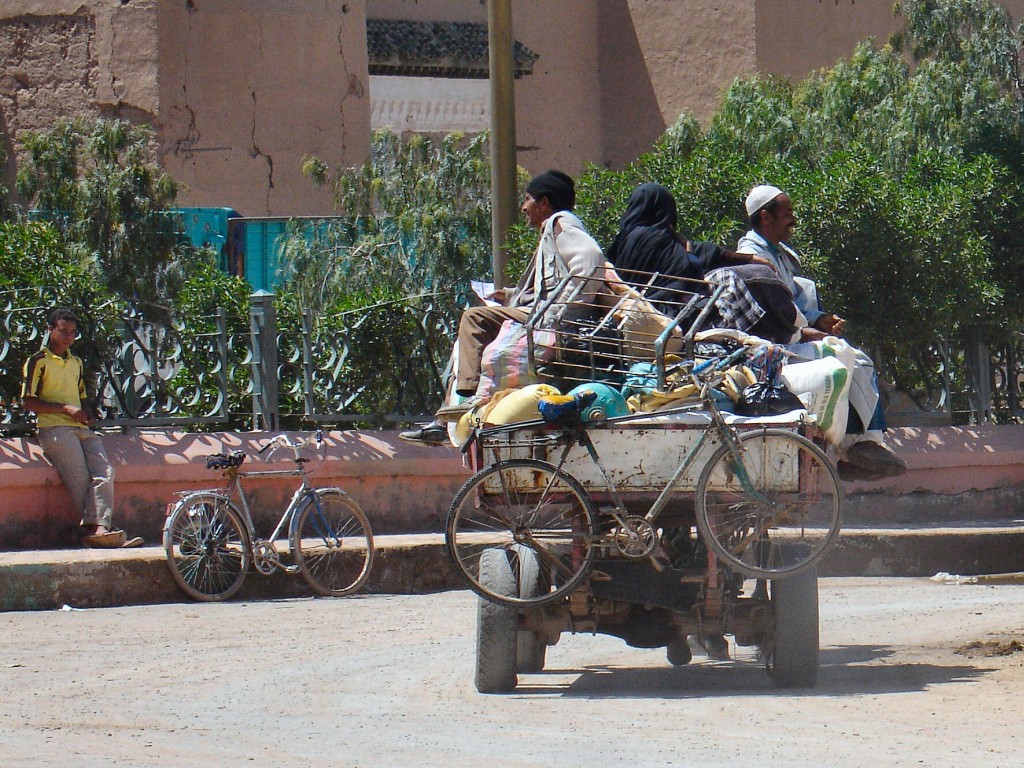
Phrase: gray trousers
x=82 y=464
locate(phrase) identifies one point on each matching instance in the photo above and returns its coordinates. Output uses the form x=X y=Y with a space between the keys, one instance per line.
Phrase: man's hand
x=832 y=324
x=745 y=258
x=755 y=259
x=81 y=415
x=501 y=295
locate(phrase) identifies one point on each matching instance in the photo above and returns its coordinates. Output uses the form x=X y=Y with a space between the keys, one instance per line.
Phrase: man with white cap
x=770 y=212
x=772 y=220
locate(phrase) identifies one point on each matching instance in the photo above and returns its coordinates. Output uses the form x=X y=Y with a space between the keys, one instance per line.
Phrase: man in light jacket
x=863 y=453
x=565 y=249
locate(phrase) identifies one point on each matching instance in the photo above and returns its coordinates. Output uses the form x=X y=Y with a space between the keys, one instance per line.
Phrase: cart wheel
x=793 y=655
x=523 y=504
x=531 y=650
x=776 y=510
x=678 y=651
x=496 y=634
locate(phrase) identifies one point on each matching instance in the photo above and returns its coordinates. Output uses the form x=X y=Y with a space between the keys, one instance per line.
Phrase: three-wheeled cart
x=653 y=527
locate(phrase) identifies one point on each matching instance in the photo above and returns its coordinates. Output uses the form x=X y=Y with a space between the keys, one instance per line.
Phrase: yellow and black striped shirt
x=55 y=380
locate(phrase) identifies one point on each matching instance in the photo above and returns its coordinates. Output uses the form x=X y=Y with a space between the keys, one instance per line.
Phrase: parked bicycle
x=210 y=539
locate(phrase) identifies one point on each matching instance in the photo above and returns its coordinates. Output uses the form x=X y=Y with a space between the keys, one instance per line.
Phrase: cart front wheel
x=793 y=652
x=496 y=626
x=531 y=649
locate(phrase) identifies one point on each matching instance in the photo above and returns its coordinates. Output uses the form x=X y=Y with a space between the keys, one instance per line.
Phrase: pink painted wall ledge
x=954 y=460
x=403 y=488
x=956 y=474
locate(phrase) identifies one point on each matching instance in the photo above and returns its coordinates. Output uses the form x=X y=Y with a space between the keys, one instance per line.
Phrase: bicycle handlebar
x=284 y=440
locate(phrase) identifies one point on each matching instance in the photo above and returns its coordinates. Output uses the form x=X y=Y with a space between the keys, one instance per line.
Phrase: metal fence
x=375 y=366
x=378 y=365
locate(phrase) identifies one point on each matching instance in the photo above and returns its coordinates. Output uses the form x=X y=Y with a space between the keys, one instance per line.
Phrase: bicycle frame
x=236 y=490
x=718 y=428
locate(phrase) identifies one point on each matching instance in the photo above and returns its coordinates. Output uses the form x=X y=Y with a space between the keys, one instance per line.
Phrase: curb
x=51 y=579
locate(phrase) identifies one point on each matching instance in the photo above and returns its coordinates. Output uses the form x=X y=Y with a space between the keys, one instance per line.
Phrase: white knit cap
x=760 y=196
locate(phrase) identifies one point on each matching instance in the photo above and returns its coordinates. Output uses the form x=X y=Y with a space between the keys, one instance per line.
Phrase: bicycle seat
x=225 y=460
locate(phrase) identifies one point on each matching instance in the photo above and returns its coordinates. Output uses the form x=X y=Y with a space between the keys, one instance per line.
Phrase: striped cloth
x=737 y=308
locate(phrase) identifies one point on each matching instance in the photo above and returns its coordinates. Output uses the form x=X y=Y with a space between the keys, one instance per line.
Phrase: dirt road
x=387 y=681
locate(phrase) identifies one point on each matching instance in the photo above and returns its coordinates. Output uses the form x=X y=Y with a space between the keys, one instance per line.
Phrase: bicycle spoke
x=333 y=544
x=775 y=510
x=523 y=504
x=207 y=547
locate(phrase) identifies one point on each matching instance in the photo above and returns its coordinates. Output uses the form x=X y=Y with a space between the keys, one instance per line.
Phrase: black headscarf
x=647 y=241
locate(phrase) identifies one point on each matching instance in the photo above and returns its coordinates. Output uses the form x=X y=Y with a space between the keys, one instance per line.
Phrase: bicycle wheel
x=332 y=543
x=207 y=546
x=775 y=511
x=523 y=503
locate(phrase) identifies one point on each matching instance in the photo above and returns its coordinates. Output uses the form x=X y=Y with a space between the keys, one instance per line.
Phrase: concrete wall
x=558 y=107
x=247 y=88
x=68 y=58
x=660 y=58
x=795 y=38
x=240 y=90
x=402 y=488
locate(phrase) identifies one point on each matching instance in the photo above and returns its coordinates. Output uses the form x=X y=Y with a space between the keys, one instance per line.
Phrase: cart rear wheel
x=531 y=650
x=793 y=656
x=523 y=505
x=776 y=510
x=496 y=626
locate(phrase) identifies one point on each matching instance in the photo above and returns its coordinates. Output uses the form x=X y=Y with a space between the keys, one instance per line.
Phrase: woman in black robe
x=647 y=242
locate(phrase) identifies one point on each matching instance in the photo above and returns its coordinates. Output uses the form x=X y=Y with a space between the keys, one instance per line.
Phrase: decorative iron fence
x=378 y=365
x=374 y=366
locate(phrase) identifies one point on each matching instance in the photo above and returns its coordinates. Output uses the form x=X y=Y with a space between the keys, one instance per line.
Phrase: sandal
x=107 y=540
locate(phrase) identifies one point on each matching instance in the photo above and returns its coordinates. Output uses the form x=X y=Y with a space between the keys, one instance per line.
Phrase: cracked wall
x=47 y=68
x=247 y=90
x=60 y=58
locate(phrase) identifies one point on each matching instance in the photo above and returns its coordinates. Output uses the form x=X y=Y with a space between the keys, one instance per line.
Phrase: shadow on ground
x=844 y=671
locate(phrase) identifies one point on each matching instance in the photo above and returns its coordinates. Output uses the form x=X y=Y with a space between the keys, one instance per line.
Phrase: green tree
x=98 y=184
x=36 y=274
x=907 y=181
x=418 y=220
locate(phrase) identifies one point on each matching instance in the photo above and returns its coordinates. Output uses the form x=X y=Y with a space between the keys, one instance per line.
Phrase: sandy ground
x=387 y=681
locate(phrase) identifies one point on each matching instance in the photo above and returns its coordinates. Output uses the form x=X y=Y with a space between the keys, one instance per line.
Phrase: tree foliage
x=97 y=183
x=417 y=219
x=36 y=274
x=907 y=180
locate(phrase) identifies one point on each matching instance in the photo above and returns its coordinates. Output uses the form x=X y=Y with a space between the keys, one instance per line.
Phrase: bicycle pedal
x=292 y=569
